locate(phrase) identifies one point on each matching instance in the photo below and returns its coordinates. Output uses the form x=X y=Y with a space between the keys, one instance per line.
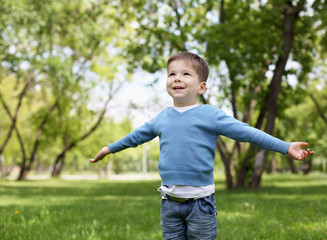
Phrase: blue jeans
x=194 y=219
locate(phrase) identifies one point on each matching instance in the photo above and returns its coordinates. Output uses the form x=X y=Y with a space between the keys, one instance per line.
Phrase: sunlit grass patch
x=285 y=207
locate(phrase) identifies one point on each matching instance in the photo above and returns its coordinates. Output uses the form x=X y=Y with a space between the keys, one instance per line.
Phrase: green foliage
x=307 y=124
x=320 y=7
x=55 y=44
x=79 y=51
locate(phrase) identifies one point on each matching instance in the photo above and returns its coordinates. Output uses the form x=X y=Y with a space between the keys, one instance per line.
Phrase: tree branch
x=20 y=140
x=22 y=94
x=320 y=111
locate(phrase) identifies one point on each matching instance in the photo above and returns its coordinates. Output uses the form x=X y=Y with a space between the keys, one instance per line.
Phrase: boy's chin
x=183 y=104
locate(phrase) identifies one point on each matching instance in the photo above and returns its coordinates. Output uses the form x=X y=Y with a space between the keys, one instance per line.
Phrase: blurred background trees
x=63 y=63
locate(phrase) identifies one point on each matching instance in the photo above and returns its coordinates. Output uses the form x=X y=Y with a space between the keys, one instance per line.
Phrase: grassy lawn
x=285 y=207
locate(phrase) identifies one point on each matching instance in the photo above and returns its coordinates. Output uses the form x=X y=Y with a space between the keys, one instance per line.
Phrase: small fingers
x=306 y=153
x=310 y=152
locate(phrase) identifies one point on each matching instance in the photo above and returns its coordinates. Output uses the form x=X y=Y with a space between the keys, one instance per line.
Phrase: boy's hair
x=200 y=65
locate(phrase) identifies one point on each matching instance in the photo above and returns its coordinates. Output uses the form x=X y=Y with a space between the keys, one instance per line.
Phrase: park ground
x=285 y=207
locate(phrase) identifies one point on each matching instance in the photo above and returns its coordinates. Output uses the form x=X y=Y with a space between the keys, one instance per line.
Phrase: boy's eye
x=187 y=74
x=172 y=74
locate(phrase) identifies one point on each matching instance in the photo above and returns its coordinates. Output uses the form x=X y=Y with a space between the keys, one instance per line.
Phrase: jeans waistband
x=176 y=199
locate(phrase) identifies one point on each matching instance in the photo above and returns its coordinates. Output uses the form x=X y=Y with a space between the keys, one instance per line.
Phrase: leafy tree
x=251 y=47
x=51 y=48
x=254 y=41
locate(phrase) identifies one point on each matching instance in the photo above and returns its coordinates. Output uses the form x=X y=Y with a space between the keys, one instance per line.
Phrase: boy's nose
x=177 y=79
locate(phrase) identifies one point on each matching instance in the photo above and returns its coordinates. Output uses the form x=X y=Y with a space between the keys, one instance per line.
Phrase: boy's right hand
x=297 y=153
x=100 y=155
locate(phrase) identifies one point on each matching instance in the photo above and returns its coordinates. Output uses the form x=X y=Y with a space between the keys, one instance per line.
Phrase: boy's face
x=183 y=83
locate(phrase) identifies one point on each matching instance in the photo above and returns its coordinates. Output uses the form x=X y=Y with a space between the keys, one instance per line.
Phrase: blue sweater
x=188 y=139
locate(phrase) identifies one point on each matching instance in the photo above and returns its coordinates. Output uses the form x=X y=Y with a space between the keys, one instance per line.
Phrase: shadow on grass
x=80 y=188
x=279 y=190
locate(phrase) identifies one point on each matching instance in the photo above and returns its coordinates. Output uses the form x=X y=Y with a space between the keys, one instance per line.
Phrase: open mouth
x=178 y=88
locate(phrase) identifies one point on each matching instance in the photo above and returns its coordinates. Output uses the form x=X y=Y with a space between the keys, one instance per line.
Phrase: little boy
x=188 y=133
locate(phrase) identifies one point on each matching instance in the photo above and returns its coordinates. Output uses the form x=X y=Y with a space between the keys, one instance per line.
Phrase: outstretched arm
x=297 y=153
x=100 y=155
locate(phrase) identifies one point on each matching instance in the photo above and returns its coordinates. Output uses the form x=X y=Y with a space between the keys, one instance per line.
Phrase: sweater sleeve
x=139 y=136
x=232 y=128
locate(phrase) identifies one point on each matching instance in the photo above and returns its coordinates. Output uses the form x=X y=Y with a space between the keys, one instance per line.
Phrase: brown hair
x=201 y=66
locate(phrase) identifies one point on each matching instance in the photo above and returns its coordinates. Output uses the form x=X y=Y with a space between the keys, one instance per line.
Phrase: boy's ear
x=202 y=88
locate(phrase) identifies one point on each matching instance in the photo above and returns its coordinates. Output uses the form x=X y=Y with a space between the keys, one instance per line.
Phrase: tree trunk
x=227 y=165
x=250 y=111
x=22 y=175
x=259 y=163
x=246 y=165
x=309 y=166
x=37 y=140
x=24 y=170
x=58 y=165
x=59 y=162
x=291 y=13
x=292 y=165
x=271 y=168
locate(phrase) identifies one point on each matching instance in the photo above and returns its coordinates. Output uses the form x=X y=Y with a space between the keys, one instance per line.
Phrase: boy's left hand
x=100 y=155
x=297 y=153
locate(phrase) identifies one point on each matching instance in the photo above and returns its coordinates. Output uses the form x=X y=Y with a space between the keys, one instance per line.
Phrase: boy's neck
x=190 y=105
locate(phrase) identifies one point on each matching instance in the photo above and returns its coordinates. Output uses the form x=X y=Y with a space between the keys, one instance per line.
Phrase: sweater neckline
x=185 y=112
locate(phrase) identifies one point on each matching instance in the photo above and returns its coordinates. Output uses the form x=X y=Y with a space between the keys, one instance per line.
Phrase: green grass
x=285 y=207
